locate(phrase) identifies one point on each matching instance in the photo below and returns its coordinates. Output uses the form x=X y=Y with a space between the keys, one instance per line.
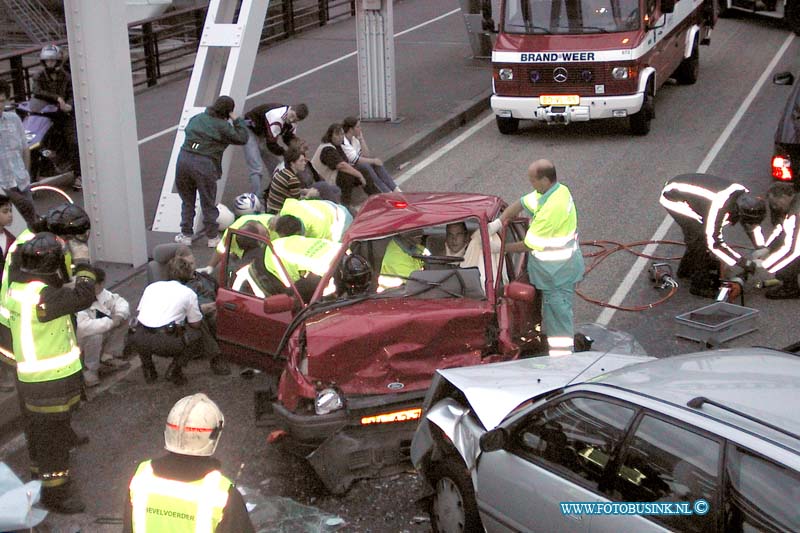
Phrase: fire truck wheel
x=507 y=125
x=689 y=69
x=639 y=123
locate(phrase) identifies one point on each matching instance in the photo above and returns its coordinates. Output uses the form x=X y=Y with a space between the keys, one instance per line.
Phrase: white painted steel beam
x=106 y=122
x=223 y=66
x=377 y=92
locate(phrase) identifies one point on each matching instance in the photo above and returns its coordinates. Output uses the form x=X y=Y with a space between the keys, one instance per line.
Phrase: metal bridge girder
x=223 y=66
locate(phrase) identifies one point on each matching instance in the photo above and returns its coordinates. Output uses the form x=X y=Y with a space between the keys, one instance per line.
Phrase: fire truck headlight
x=327 y=401
x=620 y=73
x=506 y=74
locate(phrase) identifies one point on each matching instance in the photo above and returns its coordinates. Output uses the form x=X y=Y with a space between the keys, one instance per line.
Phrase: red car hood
x=387 y=214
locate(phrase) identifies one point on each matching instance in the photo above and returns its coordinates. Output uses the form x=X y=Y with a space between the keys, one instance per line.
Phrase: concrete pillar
x=377 y=93
x=106 y=119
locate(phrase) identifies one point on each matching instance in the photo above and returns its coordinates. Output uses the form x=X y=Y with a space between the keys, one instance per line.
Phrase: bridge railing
x=164 y=46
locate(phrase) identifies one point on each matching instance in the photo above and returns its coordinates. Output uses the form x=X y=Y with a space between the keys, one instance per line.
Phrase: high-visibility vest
x=552 y=238
x=236 y=250
x=322 y=219
x=300 y=255
x=160 y=504
x=22 y=238
x=398 y=265
x=45 y=351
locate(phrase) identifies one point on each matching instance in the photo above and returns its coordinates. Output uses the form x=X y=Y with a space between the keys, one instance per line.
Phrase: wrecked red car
x=353 y=370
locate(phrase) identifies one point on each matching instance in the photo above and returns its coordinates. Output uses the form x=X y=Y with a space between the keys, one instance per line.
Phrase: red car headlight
x=782 y=168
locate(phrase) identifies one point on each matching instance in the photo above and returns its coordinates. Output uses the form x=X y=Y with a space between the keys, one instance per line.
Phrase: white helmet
x=246 y=204
x=225 y=217
x=193 y=426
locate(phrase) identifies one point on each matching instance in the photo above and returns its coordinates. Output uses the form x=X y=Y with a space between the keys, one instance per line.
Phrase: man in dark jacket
x=185 y=490
x=266 y=125
x=48 y=360
x=54 y=85
x=199 y=165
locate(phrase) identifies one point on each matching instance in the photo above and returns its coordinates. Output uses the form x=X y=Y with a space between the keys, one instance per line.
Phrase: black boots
x=219 y=366
x=175 y=375
x=62 y=500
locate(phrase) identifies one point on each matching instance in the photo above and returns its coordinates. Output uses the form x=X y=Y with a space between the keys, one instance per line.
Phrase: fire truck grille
x=570 y=78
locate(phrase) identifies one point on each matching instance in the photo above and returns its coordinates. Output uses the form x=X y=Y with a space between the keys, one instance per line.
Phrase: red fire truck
x=563 y=61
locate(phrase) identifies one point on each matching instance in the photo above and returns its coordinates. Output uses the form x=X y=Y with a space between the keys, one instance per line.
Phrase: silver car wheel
x=448 y=507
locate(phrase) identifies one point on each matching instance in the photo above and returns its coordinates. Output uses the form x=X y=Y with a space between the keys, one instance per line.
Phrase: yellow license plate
x=559 y=99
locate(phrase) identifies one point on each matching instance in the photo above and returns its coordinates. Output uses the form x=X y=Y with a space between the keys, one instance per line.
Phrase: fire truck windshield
x=571 y=16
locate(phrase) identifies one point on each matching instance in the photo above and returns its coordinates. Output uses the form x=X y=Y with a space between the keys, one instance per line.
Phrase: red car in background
x=353 y=371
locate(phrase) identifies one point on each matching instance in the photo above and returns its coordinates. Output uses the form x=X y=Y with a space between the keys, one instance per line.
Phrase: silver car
x=609 y=442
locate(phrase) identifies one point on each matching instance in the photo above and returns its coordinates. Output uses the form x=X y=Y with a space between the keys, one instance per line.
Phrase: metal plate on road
x=559 y=99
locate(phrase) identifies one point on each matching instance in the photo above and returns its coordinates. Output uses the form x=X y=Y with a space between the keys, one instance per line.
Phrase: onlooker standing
x=15 y=160
x=330 y=163
x=267 y=123
x=185 y=490
x=286 y=182
x=357 y=152
x=101 y=331
x=555 y=263
x=199 y=165
x=6 y=240
x=169 y=322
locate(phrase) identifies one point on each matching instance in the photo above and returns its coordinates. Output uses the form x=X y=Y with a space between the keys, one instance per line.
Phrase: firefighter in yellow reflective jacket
x=265 y=220
x=185 y=489
x=399 y=260
x=303 y=262
x=321 y=219
x=555 y=263
x=48 y=360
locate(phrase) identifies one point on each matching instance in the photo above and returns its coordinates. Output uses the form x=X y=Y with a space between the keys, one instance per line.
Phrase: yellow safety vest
x=44 y=351
x=160 y=504
x=236 y=250
x=322 y=219
x=22 y=238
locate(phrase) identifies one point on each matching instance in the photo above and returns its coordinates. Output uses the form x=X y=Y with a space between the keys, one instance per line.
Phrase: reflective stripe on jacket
x=789 y=249
x=322 y=219
x=708 y=200
x=45 y=351
x=160 y=504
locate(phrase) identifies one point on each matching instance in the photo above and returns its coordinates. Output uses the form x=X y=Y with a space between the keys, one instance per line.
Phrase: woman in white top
x=357 y=152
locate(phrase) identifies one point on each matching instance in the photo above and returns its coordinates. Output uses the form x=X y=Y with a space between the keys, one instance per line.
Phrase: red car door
x=246 y=334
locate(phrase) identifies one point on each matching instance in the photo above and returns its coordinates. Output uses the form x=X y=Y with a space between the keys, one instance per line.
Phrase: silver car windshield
x=571 y=16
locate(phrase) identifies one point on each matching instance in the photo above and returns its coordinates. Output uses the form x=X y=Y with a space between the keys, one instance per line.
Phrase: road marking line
x=307 y=72
x=410 y=173
x=622 y=291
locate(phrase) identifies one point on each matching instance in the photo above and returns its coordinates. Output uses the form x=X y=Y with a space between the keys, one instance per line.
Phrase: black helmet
x=68 y=219
x=752 y=209
x=354 y=275
x=42 y=255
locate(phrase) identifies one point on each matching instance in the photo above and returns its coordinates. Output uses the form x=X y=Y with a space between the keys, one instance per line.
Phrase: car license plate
x=559 y=99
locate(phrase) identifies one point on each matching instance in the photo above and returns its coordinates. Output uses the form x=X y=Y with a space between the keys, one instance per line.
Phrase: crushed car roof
x=494 y=390
x=386 y=214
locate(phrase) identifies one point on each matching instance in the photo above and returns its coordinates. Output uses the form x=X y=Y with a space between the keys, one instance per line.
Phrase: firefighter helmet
x=193 y=426
x=354 y=275
x=68 y=219
x=752 y=209
x=42 y=255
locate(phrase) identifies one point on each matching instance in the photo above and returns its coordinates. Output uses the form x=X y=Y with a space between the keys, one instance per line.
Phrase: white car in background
x=504 y=445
